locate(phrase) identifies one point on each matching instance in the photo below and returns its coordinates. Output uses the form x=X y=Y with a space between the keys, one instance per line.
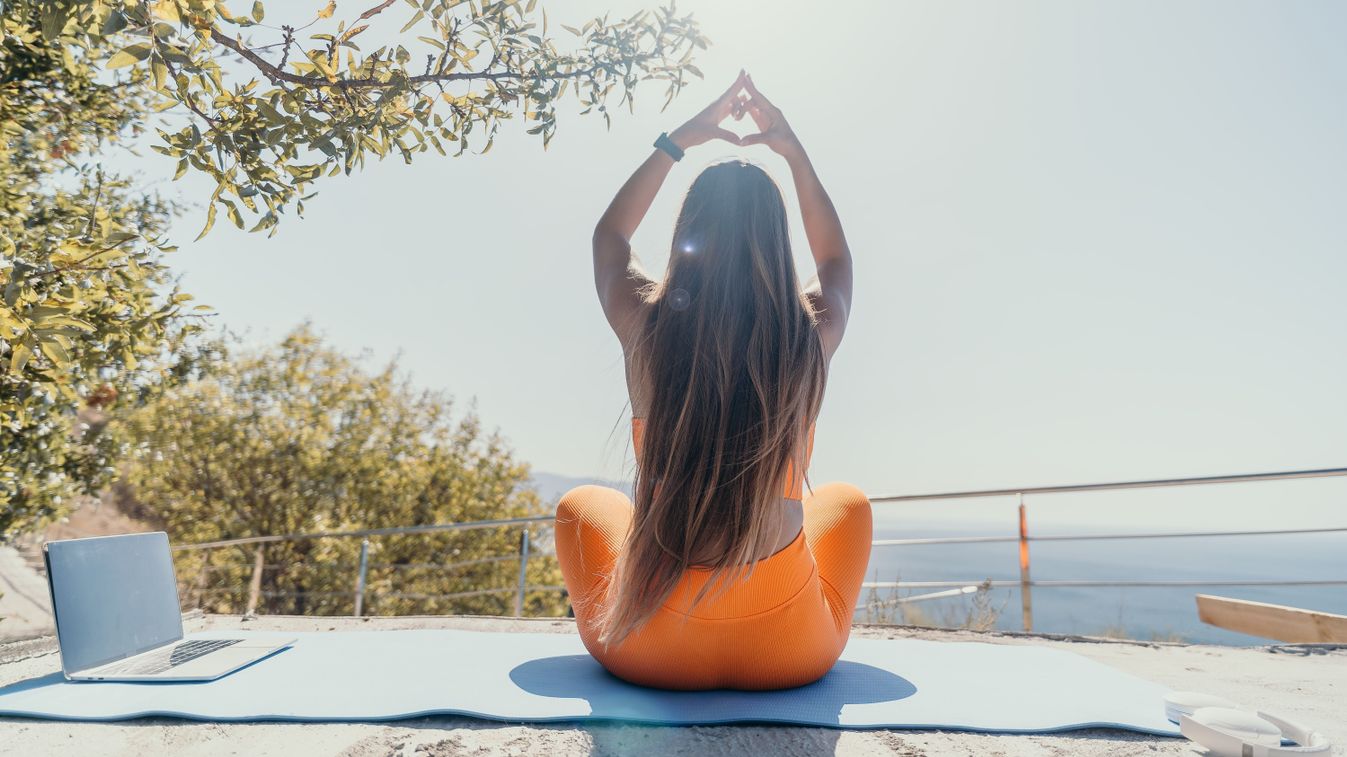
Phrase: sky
x=1092 y=242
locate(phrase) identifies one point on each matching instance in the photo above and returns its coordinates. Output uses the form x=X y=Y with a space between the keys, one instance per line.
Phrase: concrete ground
x=1302 y=682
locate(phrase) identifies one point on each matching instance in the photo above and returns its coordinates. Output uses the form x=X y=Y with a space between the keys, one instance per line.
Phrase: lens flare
x=679 y=299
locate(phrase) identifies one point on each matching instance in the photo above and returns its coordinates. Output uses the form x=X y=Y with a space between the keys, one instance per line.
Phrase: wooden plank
x=1289 y=624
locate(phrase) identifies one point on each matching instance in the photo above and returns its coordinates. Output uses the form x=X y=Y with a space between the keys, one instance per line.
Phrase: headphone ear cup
x=1186 y=702
x=1227 y=731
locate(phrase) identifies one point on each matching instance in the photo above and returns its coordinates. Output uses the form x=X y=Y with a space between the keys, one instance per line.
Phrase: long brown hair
x=731 y=360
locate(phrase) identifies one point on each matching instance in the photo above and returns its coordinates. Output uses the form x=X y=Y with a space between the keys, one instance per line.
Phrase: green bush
x=300 y=438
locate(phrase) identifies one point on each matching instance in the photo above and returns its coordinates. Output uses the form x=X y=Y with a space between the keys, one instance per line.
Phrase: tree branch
x=376 y=10
x=78 y=265
x=276 y=74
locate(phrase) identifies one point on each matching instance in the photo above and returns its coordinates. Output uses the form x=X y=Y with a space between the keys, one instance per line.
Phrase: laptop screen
x=113 y=596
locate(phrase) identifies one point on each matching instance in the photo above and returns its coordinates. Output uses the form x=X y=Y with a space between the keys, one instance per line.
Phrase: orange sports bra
x=794 y=488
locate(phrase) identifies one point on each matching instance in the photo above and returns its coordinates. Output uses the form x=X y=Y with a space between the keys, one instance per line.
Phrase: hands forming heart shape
x=742 y=98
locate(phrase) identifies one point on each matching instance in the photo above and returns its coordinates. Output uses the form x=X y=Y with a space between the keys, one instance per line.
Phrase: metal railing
x=358 y=592
x=1023 y=539
x=1239 y=478
x=1026 y=582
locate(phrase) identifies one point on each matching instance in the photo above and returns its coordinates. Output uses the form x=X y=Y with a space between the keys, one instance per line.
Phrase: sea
x=1137 y=612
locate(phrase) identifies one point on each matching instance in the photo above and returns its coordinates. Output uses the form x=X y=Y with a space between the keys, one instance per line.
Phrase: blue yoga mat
x=386 y=675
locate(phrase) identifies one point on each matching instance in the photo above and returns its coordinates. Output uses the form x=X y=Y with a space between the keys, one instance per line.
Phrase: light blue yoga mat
x=385 y=675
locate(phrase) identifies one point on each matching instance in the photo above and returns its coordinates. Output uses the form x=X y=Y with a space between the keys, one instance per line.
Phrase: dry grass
x=975 y=612
x=978 y=611
x=1120 y=632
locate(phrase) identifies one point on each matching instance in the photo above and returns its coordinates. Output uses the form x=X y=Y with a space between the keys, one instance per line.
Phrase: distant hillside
x=552 y=485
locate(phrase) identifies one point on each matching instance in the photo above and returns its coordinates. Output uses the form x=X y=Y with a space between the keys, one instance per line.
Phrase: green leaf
x=415 y=19
x=210 y=221
x=232 y=211
x=268 y=112
x=174 y=55
x=168 y=10
x=115 y=22
x=68 y=321
x=258 y=11
x=160 y=73
x=55 y=351
x=53 y=18
x=129 y=56
x=20 y=356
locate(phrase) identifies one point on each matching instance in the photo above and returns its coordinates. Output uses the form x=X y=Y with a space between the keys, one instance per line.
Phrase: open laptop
x=115 y=599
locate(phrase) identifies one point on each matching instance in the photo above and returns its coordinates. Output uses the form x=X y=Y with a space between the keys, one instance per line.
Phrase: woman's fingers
x=735 y=87
x=740 y=107
x=754 y=93
x=763 y=117
x=726 y=135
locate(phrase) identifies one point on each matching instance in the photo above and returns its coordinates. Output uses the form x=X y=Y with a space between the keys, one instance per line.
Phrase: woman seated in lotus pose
x=722 y=574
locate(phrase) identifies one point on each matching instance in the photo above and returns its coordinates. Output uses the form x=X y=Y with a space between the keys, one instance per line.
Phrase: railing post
x=255 y=585
x=523 y=571
x=360 y=578
x=202 y=576
x=1026 y=601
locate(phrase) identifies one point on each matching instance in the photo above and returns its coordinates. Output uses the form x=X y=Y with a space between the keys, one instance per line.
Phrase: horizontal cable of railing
x=1145 y=484
x=460 y=594
x=342 y=566
x=1002 y=584
x=876 y=543
x=442 y=566
x=1089 y=537
x=394 y=531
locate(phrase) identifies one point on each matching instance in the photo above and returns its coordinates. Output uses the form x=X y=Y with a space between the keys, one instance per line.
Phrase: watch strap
x=667 y=145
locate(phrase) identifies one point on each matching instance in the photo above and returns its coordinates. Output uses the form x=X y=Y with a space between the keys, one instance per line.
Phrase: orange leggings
x=784 y=625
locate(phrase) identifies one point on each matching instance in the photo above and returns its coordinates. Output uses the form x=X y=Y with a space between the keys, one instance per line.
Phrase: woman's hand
x=705 y=126
x=773 y=130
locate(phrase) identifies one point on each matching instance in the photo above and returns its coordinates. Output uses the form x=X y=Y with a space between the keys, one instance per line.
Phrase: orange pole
x=1026 y=601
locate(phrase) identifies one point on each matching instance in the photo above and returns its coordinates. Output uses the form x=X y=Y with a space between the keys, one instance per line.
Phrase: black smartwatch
x=667 y=145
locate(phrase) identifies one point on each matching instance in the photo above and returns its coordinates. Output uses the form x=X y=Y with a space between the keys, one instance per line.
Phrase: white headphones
x=1227 y=731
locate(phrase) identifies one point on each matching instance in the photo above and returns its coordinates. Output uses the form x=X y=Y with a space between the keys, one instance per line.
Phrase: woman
x=722 y=575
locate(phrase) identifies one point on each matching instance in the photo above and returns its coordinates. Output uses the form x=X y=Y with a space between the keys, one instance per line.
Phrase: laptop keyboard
x=166 y=659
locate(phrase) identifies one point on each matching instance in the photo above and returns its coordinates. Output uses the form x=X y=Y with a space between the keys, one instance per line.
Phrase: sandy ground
x=1303 y=682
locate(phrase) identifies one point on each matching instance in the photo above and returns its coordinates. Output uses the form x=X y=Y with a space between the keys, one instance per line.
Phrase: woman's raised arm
x=617 y=276
x=827 y=242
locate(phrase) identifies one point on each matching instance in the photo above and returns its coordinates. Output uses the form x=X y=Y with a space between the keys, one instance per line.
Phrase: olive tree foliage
x=87 y=311
x=299 y=438
x=264 y=108
x=316 y=94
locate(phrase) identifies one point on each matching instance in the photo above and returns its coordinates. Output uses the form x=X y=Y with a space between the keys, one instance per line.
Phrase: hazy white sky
x=1092 y=241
